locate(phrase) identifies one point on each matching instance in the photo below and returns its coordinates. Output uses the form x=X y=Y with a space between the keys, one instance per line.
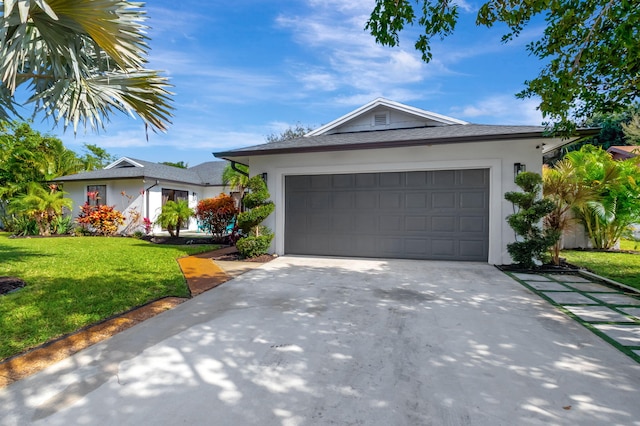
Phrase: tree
x=44 y=206
x=562 y=186
x=26 y=156
x=237 y=181
x=257 y=238
x=291 y=132
x=174 y=214
x=525 y=221
x=631 y=129
x=616 y=201
x=590 y=47
x=96 y=158
x=80 y=60
x=179 y=164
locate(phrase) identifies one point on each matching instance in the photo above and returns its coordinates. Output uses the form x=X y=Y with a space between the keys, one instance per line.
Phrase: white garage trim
x=277 y=188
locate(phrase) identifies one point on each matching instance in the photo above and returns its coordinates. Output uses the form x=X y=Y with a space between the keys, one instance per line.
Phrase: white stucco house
x=140 y=188
x=391 y=180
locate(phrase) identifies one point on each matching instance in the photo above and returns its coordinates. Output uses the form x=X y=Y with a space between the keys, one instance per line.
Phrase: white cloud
x=501 y=109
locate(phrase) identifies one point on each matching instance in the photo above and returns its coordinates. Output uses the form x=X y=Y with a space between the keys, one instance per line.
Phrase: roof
x=456 y=133
x=387 y=124
x=434 y=118
x=627 y=151
x=205 y=174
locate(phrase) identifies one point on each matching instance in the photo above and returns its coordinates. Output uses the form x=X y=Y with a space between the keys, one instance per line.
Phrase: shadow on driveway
x=343 y=341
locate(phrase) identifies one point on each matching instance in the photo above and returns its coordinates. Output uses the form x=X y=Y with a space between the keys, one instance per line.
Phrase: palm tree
x=81 y=60
x=174 y=214
x=236 y=181
x=562 y=186
x=42 y=205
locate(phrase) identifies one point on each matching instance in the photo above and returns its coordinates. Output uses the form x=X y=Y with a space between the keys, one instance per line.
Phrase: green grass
x=73 y=282
x=621 y=267
x=629 y=245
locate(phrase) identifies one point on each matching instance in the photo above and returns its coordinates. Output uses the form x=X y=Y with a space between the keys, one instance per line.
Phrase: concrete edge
x=609 y=281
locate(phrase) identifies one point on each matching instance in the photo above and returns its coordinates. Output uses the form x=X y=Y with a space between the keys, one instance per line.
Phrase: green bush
x=61 y=225
x=258 y=237
x=530 y=209
x=22 y=225
x=253 y=246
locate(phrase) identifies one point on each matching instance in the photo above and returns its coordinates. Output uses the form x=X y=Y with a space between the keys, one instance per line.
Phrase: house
x=140 y=188
x=390 y=180
x=623 y=152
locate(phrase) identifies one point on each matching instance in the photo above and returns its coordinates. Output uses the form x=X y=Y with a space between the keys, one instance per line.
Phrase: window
x=97 y=195
x=175 y=195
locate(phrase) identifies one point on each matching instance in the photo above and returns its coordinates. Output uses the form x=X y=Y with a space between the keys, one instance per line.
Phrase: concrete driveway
x=319 y=341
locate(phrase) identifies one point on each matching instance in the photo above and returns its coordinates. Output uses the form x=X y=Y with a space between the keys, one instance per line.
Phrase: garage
x=441 y=214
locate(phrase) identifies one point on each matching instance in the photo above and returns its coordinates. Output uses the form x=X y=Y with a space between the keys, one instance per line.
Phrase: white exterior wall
x=138 y=205
x=498 y=157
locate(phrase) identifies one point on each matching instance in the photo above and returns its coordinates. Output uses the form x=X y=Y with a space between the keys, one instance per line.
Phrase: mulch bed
x=9 y=284
x=232 y=257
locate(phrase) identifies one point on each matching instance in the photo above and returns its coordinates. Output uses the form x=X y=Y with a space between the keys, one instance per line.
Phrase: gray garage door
x=409 y=215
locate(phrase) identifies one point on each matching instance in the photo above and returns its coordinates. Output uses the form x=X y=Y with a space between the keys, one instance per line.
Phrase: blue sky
x=245 y=69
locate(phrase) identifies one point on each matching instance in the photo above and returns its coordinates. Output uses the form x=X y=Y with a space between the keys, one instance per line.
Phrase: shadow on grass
x=13 y=254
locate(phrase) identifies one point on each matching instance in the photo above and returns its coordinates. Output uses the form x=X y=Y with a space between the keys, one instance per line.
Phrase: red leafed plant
x=103 y=220
x=217 y=215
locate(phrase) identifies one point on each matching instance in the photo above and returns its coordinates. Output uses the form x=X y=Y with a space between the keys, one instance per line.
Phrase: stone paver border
x=611 y=312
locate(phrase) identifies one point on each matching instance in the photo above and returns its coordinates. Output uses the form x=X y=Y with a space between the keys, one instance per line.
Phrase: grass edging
x=588 y=274
x=627 y=350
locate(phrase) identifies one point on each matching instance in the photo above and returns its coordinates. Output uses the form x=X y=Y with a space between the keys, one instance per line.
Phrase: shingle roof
x=205 y=174
x=390 y=138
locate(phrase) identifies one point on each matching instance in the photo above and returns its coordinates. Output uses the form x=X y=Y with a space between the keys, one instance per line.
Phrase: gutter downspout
x=233 y=166
x=146 y=196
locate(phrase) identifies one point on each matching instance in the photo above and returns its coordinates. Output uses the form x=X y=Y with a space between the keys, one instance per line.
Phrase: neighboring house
x=623 y=152
x=140 y=188
x=390 y=180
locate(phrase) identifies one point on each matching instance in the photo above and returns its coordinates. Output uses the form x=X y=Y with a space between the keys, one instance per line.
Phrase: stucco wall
x=498 y=157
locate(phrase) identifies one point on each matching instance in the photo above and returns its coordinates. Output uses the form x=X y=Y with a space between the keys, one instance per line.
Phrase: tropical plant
x=236 y=180
x=26 y=156
x=216 y=214
x=256 y=238
x=43 y=205
x=102 y=219
x=616 y=200
x=530 y=209
x=590 y=48
x=80 y=60
x=174 y=214
x=562 y=186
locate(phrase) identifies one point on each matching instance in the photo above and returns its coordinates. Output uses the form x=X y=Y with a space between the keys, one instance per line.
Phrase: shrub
x=257 y=238
x=22 y=225
x=253 y=246
x=61 y=225
x=103 y=220
x=216 y=214
x=526 y=220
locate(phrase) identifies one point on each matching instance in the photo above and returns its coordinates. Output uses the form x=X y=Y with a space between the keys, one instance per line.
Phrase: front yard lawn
x=76 y=281
x=621 y=267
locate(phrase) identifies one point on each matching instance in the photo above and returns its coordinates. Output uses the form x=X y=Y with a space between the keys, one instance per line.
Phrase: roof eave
x=377 y=145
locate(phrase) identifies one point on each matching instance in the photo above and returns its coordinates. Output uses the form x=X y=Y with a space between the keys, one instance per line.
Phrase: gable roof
x=381 y=104
x=205 y=174
x=410 y=127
